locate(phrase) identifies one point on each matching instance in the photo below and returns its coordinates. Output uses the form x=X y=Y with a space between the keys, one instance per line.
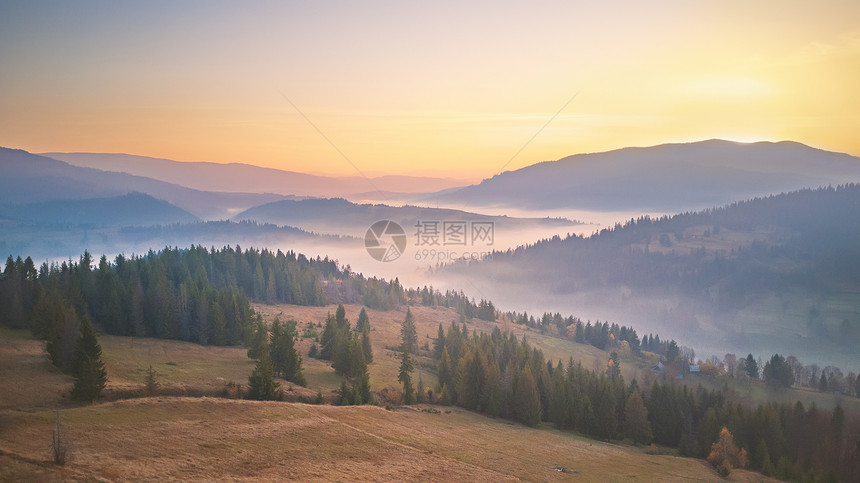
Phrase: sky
x=458 y=89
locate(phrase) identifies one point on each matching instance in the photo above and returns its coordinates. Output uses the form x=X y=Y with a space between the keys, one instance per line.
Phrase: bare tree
x=61 y=445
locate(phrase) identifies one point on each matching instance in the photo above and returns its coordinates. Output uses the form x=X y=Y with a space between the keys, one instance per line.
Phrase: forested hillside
x=781 y=266
x=195 y=294
x=499 y=375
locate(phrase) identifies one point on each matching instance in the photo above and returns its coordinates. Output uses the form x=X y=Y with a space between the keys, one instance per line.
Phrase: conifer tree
x=751 y=366
x=344 y=395
x=366 y=347
x=261 y=383
x=340 y=317
x=527 y=406
x=285 y=358
x=439 y=343
x=408 y=333
x=444 y=399
x=405 y=375
x=445 y=371
x=363 y=323
x=151 y=383
x=89 y=369
x=258 y=337
x=327 y=338
x=363 y=391
x=362 y=327
x=636 y=424
x=420 y=393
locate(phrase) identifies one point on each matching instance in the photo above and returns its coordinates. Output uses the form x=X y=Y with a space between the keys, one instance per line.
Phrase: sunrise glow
x=420 y=88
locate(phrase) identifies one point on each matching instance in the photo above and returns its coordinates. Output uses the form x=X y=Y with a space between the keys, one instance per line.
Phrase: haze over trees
x=721 y=265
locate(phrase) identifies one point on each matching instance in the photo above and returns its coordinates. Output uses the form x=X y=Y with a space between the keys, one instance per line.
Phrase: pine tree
x=439 y=343
x=285 y=358
x=527 y=405
x=362 y=327
x=344 y=395
x=258 y=337
x=364 y=393
x=444 y=370
x=89 y=369
x=444 y=399
x=366 y=347
x=327 y=338
x=151 y=383
x=261 y=383
x=636 y=424
x=672 y=352
x=340 y=317
x=765 y=465
x=777 y=372
x=408 y=333
x=751 y=366
x=405 y=375
x=363 y=324
x=420 y=394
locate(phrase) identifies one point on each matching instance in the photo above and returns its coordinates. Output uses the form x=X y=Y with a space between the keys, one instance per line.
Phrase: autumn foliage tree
x=725 y=454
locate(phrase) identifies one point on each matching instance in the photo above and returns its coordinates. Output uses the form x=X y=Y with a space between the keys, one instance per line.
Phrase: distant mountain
x=246 y=178
x=337 y=215
x=776 y=274
x=30 y=178
x=60 y=241
x=134 y=209
x=665 y=178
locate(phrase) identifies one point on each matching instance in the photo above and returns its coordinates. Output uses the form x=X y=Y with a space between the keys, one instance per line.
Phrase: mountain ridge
x=670 y=177
x=245 y=177
x=30 y=178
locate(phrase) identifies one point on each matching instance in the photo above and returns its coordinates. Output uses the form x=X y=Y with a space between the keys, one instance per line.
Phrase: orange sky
x=427 y=88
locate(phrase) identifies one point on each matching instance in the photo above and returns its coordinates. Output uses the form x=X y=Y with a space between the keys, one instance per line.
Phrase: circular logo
x=385 y=240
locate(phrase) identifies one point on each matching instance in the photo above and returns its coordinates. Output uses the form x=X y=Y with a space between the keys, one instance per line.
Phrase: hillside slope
x=29 y=178
x=204 y=438
x=133 y=209
x=179 y=438
x=778 y=274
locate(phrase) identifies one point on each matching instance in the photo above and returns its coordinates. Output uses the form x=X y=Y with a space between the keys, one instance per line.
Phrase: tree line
x=818 y=253
x=499 y=375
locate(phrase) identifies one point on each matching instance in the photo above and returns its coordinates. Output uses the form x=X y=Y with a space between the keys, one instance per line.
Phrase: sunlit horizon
x=450 y=90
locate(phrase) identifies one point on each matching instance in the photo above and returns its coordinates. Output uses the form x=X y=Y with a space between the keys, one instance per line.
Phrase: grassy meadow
x=173 y=436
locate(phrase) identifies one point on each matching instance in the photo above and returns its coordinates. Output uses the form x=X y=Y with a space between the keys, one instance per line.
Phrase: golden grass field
x=205 y=438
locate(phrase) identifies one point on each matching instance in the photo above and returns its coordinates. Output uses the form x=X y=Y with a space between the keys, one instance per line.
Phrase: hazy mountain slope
x=59 y=241
x=780 y=274
x=29 y=178
x=337 y=215
x=238 y=177
x=665 y=178
x=133 y=209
